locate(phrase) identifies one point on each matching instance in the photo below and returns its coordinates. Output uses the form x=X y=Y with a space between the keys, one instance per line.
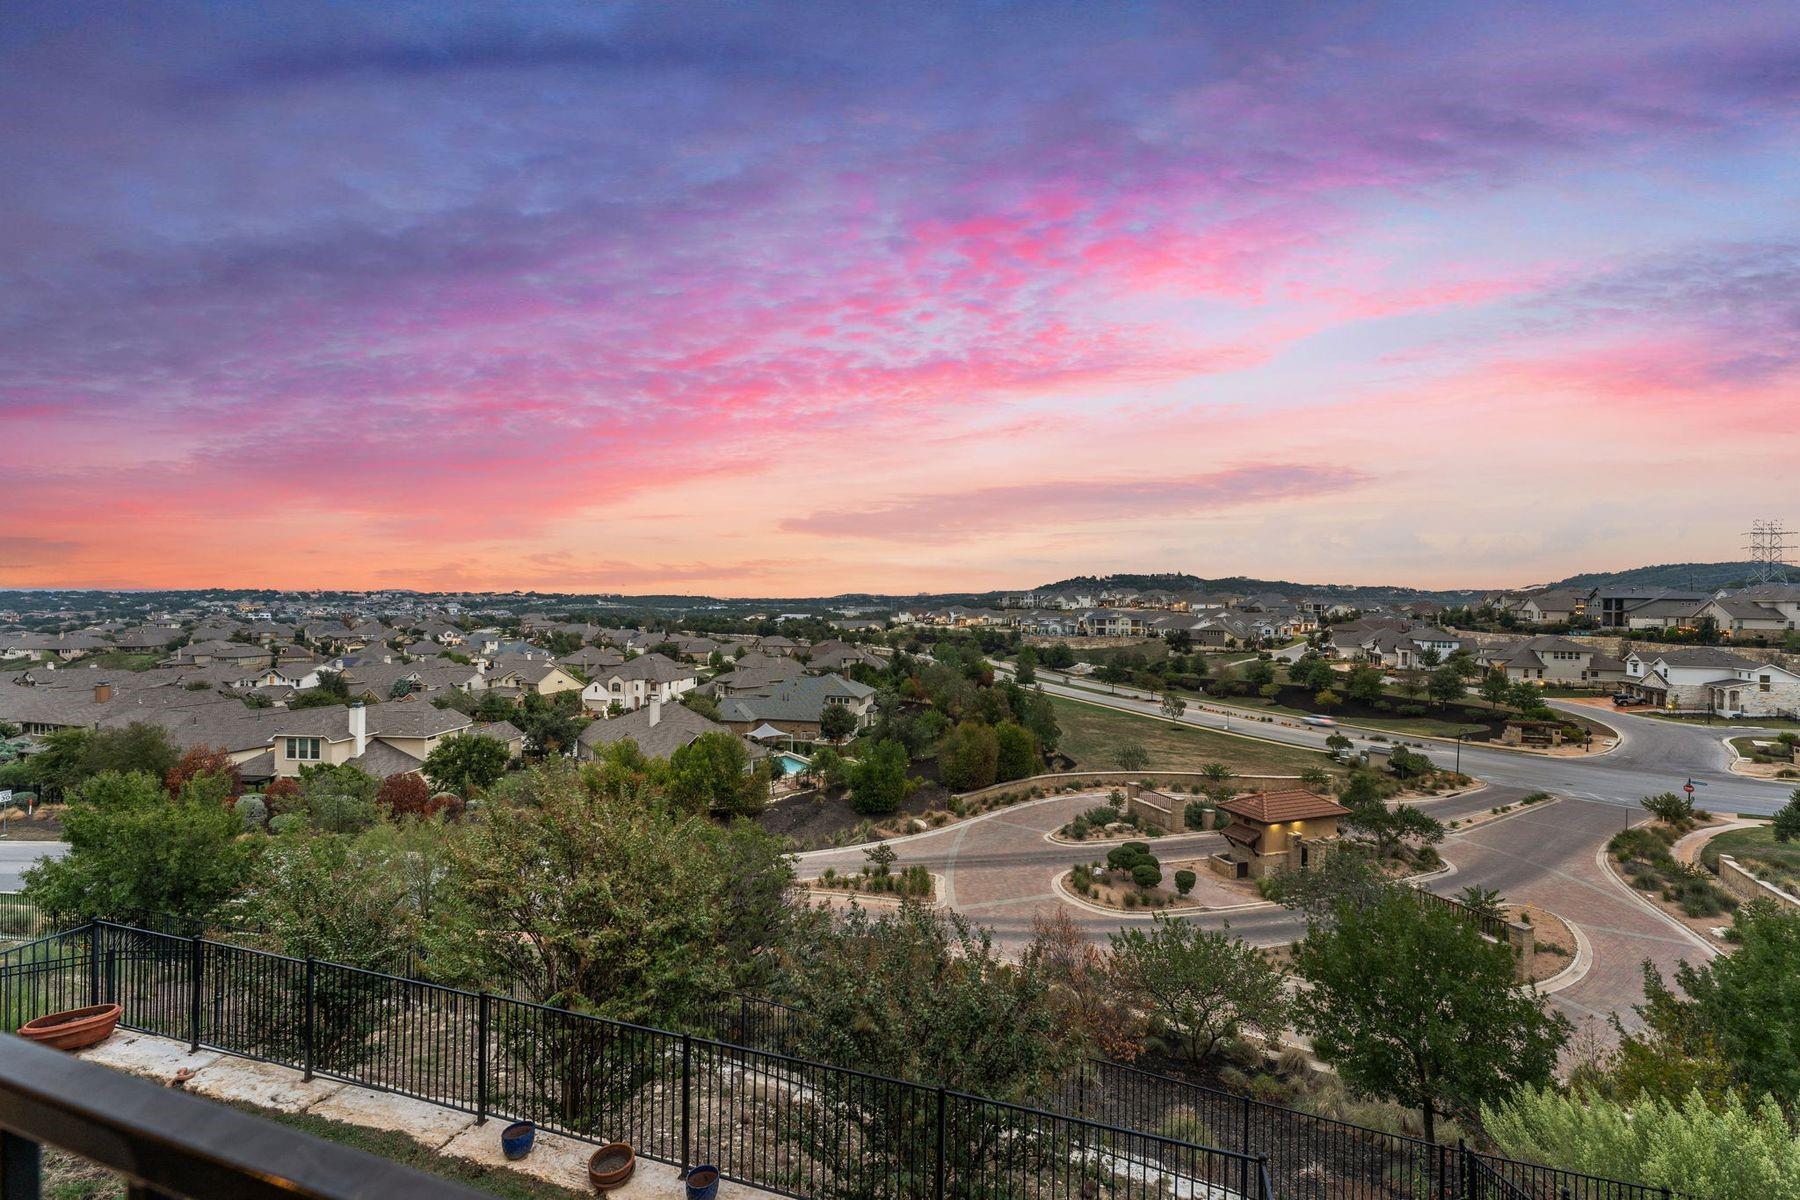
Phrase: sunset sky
x=783 y=299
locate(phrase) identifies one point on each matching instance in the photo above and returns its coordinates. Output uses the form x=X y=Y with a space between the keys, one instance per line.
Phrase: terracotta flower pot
x=74 y=1028
x=611 y=1165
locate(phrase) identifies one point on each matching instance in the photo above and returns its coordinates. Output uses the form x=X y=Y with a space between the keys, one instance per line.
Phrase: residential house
x=1557 y=606
x=1646 y=608
x=1762 y=690
x=658 y=729
x=386 y=739
x=633 y=684
x=795 y=706
x=1738 y=617
x=1680 y=680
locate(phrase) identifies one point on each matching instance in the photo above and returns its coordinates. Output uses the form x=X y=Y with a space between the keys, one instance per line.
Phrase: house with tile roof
x=1276 y=830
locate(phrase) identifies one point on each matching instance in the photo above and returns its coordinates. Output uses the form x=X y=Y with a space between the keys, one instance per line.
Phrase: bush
x=1185 y=881
x=253 y=812
x=1725 y=1150
x=1146 y=874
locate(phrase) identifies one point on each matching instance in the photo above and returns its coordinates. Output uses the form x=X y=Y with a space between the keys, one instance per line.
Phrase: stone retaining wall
x=1746 y=886
x=1187 y=780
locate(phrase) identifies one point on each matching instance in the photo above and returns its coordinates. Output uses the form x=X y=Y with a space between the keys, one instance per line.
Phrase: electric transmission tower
x=1768 y=551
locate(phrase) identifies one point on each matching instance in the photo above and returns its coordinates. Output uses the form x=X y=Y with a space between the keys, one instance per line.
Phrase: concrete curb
x=1578 y=967
x=1060 y=885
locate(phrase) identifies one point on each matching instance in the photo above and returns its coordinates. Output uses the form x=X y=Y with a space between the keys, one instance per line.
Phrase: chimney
x=102 y=692
x=655 y=711
x=359 y=728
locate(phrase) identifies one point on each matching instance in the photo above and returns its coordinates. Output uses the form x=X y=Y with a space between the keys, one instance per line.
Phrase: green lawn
x=1757 y=849
x=124 y=660
x=1092 y=735
x=1760 y=722
x=69 y=1178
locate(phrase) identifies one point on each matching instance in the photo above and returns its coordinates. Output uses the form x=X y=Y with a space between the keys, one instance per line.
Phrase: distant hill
x=1243 y=585
x=1698 y=577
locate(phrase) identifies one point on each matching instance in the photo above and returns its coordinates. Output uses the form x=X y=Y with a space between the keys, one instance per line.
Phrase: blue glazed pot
x=703 y=1183
x=516 y=1139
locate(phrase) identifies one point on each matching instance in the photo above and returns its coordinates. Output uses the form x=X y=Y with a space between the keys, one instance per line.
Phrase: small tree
x=466 y=763
x=1786 y=825
x=1018 y=752
x=1131 y=756
x=1202 y=985
x=1173 y=706
x=403 y=795
x=1185 y=881
x=1445 y=685
x=836 y=722
x=1391 y=828
x=1325 y=700
x=1671 y=808
x=1459 y=1033
x=878 y=782
x=204 y=760
x=134 y=850
x=969 y=757
x=712 y=773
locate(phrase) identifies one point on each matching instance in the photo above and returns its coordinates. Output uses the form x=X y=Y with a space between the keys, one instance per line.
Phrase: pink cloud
x=1052 y=505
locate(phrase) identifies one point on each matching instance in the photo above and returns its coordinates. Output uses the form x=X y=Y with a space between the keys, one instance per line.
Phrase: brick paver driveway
x=999 y=870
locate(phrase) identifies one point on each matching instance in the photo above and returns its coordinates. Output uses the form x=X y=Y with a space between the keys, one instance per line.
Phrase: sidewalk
x=455 y=1134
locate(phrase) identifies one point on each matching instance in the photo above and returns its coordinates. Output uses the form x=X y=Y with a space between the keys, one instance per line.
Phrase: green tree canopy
x=134 y=850
x=969 y=757
x=466 y=763
x=1412 y=1004
x=594 y=894
x=878 y=780
x=712 y=773
x=1203 y=986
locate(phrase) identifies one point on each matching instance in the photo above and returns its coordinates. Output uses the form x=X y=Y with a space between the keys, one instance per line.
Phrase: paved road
x=1652 y=756
x=1000 y=868
x=16 y=856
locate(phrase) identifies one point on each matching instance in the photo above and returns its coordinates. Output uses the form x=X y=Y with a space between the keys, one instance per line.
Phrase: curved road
x=999 y=868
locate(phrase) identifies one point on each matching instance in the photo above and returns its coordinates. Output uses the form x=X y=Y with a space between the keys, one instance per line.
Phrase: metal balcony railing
x=167 y=1144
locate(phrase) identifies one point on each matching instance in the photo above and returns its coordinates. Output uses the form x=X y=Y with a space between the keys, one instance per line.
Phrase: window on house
x=306 y=749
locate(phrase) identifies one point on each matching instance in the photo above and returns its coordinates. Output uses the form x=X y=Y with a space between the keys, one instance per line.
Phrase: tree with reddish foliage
x=203 y=760
x=403 y=795
x=447 y=803
x=282 y=795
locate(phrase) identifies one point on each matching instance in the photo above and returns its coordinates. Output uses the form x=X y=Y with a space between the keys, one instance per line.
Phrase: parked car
x=1625 y=699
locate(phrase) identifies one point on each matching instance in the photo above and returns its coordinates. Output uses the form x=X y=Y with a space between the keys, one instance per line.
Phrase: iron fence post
x=1442 y=1190
x=312 y=971
x=481 y=1058
x=1244 y=1135
x=943 y=1136
x=196 y=968
x=93 y=963
x=687 y=1086
x=743 y=1020
x=1463 y=1178
x=1265 y=1184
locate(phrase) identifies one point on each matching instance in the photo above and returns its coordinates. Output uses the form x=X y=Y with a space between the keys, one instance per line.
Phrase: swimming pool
x=790 y=764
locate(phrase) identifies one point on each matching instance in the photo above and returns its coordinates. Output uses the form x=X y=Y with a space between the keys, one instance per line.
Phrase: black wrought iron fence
x=1308 y=1157
x=766 y=1119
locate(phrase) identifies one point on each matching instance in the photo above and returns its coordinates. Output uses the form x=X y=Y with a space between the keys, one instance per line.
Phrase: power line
x=1768 y=551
